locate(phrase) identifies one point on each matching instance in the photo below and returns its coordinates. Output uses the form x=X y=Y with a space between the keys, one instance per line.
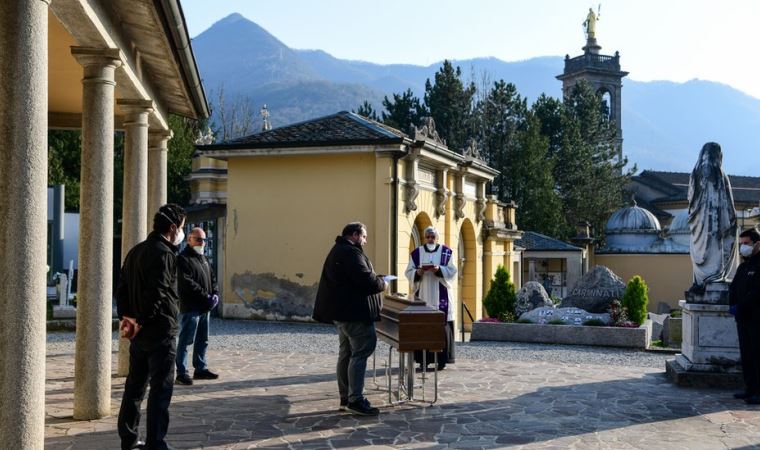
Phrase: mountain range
x=664 y=123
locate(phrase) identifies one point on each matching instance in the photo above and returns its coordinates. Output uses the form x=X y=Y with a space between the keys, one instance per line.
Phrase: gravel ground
x=281 y=337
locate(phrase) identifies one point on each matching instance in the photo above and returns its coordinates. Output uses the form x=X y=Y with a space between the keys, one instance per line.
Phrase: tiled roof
x=343 y=128
x=532 y=241
x=675 y=185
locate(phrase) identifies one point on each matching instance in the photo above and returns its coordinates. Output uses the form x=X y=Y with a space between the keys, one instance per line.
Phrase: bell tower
x=602 y=72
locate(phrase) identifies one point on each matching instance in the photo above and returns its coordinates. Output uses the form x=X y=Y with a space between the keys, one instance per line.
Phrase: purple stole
x=443 y=293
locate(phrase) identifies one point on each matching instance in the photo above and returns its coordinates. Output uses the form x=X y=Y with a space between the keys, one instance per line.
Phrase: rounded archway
x=467 y=270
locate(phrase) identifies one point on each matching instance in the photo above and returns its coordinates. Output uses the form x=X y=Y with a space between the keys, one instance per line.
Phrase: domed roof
x=632 y=219
x=680 y=223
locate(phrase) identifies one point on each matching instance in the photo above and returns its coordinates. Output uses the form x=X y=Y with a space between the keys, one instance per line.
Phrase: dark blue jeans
x=193 y=327
x=357 y=342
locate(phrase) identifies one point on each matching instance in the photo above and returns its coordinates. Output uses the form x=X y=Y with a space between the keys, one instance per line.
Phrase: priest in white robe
x=431 y=271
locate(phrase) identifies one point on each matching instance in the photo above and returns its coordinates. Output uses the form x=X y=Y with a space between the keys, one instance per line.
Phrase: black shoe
x=741 y=395
x=205 y=375
x=754 y=400
x=343 y=404
x=184 y=379
x=363 y=408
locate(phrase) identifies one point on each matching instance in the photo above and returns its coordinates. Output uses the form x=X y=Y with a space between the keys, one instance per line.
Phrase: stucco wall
x=283 y=214
x=667 y=276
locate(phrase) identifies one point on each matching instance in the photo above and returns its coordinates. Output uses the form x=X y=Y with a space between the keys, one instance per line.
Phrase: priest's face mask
x=430 y=238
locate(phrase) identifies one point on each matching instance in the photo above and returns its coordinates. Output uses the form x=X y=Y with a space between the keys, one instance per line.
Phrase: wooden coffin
x=409 y=325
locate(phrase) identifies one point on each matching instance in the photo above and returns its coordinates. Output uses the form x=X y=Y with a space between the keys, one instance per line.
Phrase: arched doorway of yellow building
x=421 y=222
x=466 y=256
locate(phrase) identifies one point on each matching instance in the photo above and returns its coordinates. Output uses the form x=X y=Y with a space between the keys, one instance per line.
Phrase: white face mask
x=198 y=249
x=746 y=250
x=179 y=238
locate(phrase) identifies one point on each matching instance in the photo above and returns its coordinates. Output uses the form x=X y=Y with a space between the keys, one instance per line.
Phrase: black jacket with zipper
x=196 y=281
x=148 y=288
x=349 y=289
x=744 y=291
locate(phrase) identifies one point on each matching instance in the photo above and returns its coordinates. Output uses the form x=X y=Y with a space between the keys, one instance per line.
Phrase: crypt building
x=289 y=191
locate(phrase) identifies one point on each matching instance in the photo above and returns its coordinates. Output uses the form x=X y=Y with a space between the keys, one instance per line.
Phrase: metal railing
x=472 y=319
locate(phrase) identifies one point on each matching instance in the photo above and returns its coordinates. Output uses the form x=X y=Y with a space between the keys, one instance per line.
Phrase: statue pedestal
x=710 y=349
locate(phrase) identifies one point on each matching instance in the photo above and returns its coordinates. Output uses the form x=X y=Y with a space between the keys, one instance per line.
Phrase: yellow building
x=290 y=190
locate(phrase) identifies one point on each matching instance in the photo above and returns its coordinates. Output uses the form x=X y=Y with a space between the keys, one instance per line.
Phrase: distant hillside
x=664 y=123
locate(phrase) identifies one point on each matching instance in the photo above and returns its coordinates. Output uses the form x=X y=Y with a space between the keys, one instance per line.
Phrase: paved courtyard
x=277 y=390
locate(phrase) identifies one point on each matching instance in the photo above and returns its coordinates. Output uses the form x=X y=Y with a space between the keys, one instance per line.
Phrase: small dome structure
x=631 y=229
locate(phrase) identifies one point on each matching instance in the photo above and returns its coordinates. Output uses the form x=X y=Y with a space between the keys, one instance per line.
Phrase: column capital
x=157 y=139
x=135 y=110
x=92 y=56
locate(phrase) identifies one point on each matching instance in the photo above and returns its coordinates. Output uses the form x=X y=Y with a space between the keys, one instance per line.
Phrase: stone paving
x=289 y=400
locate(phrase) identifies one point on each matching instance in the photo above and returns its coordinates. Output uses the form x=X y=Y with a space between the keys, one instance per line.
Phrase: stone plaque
x=717 y=331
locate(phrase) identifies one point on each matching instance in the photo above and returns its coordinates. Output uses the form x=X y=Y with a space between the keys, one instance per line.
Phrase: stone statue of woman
x=589 y=25
x=712 y=220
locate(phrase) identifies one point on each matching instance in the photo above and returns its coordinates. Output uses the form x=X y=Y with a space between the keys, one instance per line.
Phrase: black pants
x=749 y=349
x=148 y=362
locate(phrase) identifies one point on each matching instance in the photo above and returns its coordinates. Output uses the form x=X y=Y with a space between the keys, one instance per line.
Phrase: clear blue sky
x=675 y=40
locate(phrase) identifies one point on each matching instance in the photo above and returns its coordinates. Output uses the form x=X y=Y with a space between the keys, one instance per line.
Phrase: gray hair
x=430 y=229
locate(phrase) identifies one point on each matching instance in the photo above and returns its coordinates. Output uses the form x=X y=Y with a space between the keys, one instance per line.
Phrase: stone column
x=23 y=221
x=92 y=368
x=157 y=156
x=135 y=200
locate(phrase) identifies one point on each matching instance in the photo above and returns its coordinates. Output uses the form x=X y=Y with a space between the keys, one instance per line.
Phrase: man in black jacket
x=148 y=304
x=198 y=295
x=744 y=303
x=349 y=296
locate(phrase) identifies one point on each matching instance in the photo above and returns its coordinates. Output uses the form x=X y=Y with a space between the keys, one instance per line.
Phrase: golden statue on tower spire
x=589 y=25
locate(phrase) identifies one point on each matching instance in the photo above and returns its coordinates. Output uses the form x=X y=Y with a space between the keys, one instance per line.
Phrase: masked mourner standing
x=349 y=296
x=744 y=303
x=148 y=304
x=198 y=295
x=430 y=272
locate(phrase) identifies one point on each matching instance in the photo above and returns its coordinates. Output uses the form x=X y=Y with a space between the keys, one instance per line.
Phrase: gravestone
x=569 y=316
x=595 y=291
x=531 y=296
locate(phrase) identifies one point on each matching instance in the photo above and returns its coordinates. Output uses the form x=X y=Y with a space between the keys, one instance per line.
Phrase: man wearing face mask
x=744 y=304
x=430 y=271
x=198 y=295
x=148 y=304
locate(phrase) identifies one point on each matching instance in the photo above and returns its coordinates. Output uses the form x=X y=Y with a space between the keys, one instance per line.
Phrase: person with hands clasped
x=148 y=304
x=198 y=295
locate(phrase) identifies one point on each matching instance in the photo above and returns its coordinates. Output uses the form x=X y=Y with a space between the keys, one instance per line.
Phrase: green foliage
x=179 y=161
x=635 y=299
x=449 y=101
x=657 y=343
x=403 y=111
x=64 y=164
x=555 y=322
x=508 y=317
x=501 y=297
x=675 y=313
x=366 y=110
x=594 y=323
x=524 y=321
x=618 y=313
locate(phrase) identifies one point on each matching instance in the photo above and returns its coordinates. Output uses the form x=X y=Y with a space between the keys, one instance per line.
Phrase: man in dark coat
x=198 y=295
x=744 y=303
x=349 y=296
x=148 y=304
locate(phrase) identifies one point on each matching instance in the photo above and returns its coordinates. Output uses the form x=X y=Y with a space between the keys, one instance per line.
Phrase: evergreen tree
x=449 y=101
x=64 y=164
x=635 y=299
x=501 y=298
x=180 y=156
x=366 y=110
x=403 y=111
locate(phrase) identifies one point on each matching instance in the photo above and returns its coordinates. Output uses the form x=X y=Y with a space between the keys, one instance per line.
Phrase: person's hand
x=213 y=300
x=420 y=271
x=129 y=327
x=435 y=269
